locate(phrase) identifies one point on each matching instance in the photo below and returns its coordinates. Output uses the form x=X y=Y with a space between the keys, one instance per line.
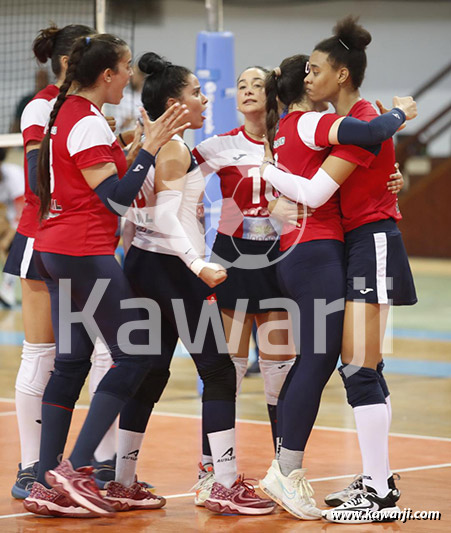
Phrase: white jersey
x=151 y=238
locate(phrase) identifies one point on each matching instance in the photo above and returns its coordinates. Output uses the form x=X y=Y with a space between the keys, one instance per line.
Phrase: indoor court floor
x=418 y=371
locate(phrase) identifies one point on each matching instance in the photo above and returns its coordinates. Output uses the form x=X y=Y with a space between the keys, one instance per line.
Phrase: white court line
x=8 y=413
x=316 y=480
x=264 y=423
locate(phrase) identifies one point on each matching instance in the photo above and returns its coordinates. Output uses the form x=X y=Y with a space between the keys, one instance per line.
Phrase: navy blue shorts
x=20 y=261
x=254 y=284
x=378 y=269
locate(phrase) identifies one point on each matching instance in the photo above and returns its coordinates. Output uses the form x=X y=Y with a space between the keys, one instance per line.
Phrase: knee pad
x=219 y=380
x=382 y=381
x=152 y=387
x=66 y=382
x=240 y=364
x=362 y=385
x=274 y=374
x=125 y=376
x=101 y=363
x=35 y=369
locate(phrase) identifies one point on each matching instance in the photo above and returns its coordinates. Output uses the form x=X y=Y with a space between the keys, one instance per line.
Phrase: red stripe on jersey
x=364 y=196
x=81 y=224
x=297 y=158
x=29 y=220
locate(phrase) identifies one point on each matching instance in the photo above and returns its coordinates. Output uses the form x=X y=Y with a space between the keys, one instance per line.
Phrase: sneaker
x=241 y=498
x=136 y=496
x=356 y=487
x=105 y=471
x=25 y=479
x=203 y=486
x=292 y=492
x=366 y=507
x=79 y=486
x=48 y=502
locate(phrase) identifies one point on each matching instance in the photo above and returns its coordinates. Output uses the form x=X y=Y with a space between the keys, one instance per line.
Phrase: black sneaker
x=104 y=471
x=25 y=479
x=353 y=489
x=366 y=507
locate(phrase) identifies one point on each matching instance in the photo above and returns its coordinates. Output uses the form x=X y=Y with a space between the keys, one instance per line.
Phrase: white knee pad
x=38 y=361
x=240 y=368
x=101 y=363
x=274 y=374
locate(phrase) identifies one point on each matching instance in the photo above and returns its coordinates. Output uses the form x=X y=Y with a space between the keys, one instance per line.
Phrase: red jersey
x=233 y=156
x=364 y=196
x=79 y=223
x=32 y=123
x=297 y=152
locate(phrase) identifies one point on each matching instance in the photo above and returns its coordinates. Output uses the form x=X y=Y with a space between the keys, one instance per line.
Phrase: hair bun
x=44 y=43
x=352 y=34
x=151 y=63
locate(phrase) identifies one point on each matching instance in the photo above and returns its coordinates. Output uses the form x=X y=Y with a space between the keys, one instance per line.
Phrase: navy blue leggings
x=312 y=271
x=165 y=278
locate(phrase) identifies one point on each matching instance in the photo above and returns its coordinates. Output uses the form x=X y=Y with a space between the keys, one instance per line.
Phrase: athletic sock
x=223 y=450
x=102 y=413
x=128 y=448
x=32 y=378
x=290 y=460
x=372 y=430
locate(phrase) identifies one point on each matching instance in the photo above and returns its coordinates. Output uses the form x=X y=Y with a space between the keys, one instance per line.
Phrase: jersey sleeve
x=34 y=119
x=90 y=142
x=313 y=129
x=207 y=154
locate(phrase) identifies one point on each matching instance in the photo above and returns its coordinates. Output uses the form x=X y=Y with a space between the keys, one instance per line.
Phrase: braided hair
x=285 y=85
x=90 y=56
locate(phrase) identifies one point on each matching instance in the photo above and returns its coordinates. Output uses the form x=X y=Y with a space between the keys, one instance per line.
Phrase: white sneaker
x=292 y=492
x=204 y=485
x=342 y=496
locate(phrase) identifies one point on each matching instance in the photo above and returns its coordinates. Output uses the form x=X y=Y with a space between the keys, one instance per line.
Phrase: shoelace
x=206 y=481
x=357 y=484
x=246 y=483
x=303 y=486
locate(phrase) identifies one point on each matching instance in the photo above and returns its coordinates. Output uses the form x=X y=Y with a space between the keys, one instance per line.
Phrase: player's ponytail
x=163 y=81
x=285 y=84
x=347 y=48
x=53 y=42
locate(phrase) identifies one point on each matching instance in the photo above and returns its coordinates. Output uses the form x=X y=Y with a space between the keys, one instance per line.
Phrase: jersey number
x=254 y=173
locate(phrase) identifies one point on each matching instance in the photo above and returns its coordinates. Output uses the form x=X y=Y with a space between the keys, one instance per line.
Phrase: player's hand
x=111 y=123
x=288 y=212
x=396 y=181
x=406 y=104
x=160 y=131
x=213 y=277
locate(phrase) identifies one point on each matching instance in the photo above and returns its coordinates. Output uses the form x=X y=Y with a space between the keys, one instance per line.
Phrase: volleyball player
x=38 y=352
x=79 y=164
x=375 y=258
x=172 y=245
x=246 y=228
x=317 y=132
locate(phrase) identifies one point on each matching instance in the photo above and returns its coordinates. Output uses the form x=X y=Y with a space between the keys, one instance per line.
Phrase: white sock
x=38 y=360
x=101 y=363
x=240 y=368
x=372 y=430
x=223 y=448
x=128 y=446
x=389 y=414
x=274 y=374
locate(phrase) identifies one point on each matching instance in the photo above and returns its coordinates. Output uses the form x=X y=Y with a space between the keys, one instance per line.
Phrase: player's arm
x=349 y=130
x=170 y=175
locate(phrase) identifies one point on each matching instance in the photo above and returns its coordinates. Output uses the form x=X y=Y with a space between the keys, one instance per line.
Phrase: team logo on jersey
x=238 y=157
x=279 y=142
x=54 y=130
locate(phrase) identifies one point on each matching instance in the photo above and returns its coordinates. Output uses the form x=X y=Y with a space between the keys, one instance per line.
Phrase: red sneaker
x=134 y=497
x=48 y=502
x=79 y=486
x=241 y=498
